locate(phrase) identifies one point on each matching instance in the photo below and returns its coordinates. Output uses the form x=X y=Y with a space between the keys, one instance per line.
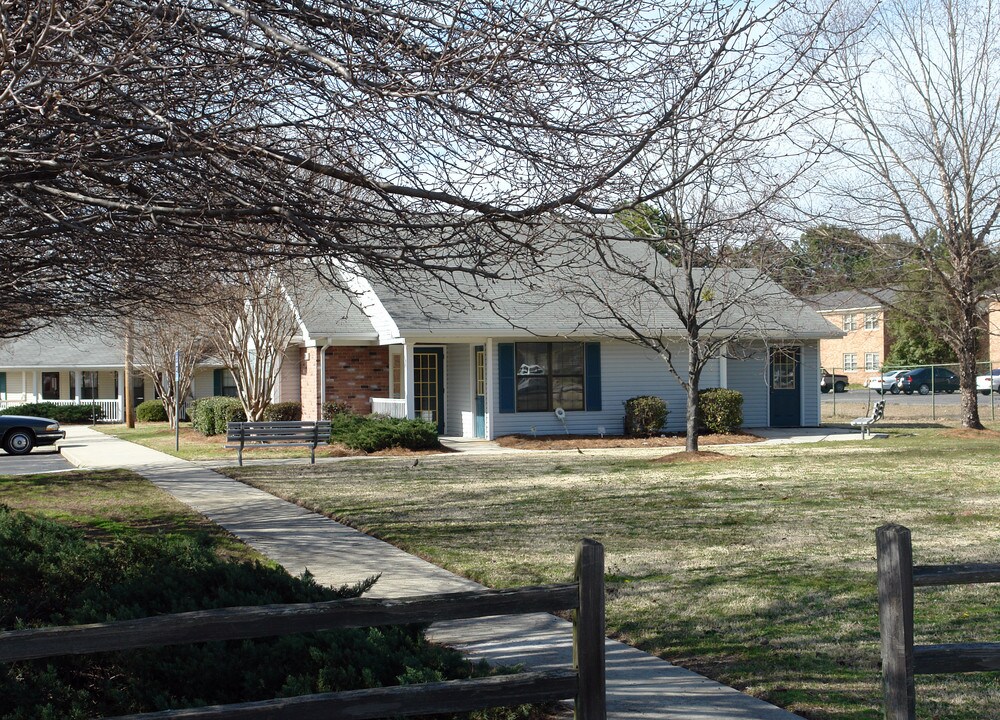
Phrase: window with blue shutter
x=593 y=369
x=508 y=379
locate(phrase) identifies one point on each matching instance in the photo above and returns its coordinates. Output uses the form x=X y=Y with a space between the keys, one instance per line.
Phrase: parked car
x=922 y=380
x=830 y=381
x=886 y=382
x=988 y=383
x=20 y=433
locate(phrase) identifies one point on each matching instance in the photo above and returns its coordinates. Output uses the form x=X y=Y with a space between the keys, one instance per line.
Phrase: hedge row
x=68 y=414
x=54 y=575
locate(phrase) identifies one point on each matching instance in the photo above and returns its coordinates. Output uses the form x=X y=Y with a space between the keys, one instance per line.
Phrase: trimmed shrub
x=54 y=575
x=228 y=410
x=67 y=414
x=335 y=407
x=150 y=411
x=210 y=415
x=378 y=432
x=720 y=410
x=645 y=415
x=283 y=411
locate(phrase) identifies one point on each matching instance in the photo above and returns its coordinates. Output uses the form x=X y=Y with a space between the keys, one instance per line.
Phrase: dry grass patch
x=563 y=442
x=757 y=571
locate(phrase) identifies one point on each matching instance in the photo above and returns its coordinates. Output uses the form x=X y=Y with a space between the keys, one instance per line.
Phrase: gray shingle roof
x=849 y=299
x=567 y=291
x=64 y=347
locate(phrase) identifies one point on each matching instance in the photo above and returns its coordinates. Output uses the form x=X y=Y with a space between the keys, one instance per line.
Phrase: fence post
x=588 y=633
x=895 y=614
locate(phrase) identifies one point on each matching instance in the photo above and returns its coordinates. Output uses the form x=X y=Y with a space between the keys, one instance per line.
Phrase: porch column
x=35 y=379
x=490 y=371
x=411 y=411
x=723 y=367
x=76 y=386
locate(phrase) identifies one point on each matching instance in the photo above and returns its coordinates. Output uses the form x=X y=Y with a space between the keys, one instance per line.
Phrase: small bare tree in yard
x=155 y=344
x=917 y=161
x=253 y=323
x=706 y=191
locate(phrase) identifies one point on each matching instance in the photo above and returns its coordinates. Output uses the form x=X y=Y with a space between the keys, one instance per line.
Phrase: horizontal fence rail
x=901 y=659
x=585 y=683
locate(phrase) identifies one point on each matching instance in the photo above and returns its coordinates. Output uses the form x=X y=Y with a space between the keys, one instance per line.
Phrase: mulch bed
x=700 y=456
x=575 y=442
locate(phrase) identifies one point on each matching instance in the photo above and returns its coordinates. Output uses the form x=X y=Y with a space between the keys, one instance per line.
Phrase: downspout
x=322 y=379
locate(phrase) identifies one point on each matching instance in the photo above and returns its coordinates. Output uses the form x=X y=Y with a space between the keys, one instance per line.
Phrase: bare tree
x=253 y=322
x=917 y=144
x=157 y=344
x=707 y=192
x=138 y=139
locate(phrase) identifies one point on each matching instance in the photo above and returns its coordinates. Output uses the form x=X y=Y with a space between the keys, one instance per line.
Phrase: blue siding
x=810 y=384
x=626 y=371
x=749 y=376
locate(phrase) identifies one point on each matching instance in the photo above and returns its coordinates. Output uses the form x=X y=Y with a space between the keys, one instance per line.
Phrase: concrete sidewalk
x=639 y=686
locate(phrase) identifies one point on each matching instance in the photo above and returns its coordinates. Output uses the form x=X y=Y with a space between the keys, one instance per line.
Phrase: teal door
x=786 y=387
x=480 y=363
x=428 y=385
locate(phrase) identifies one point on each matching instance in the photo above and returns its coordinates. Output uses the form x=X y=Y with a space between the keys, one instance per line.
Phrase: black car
x=923 y=380
x=20 y=433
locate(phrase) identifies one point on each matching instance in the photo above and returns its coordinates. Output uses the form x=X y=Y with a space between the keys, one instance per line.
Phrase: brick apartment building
x=861 y=314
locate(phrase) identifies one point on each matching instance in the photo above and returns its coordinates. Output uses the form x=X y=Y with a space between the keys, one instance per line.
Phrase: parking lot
x=40 y=460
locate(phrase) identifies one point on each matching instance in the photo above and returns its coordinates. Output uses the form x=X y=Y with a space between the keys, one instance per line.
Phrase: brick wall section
x=859 y=342
x=354 y=375
x=309 y=383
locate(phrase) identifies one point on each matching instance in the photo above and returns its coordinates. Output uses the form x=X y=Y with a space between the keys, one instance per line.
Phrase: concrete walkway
x=640 y=686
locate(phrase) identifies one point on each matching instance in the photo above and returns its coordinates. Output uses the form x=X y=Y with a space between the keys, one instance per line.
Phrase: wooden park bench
x=865 y=423
x=285 y=433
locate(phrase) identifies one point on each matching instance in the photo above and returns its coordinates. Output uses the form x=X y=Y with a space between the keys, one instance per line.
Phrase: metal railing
x=393 y=407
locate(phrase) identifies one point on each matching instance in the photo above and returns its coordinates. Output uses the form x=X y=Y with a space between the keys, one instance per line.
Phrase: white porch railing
x=111 y=410
x=393 y=407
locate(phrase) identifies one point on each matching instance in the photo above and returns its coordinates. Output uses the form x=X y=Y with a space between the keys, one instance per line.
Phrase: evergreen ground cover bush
x=53 y=575
x=378 y=432
x=67 y=414
x=150 y=411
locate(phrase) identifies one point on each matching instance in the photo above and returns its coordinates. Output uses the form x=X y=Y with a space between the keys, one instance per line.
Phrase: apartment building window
x=871 y=321
x=850 y=322
x=850 y=361
x=871 y=361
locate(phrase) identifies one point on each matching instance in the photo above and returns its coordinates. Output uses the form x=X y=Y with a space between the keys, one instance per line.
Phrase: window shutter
x=508 y=379
x=217 y=382
x=3 y=383
x=592 y=367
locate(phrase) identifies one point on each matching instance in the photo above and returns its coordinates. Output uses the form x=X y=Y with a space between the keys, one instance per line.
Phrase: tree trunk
x=691 y=414
x=967 y=385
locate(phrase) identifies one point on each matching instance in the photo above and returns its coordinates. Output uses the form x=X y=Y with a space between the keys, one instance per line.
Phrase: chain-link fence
x=911 y=393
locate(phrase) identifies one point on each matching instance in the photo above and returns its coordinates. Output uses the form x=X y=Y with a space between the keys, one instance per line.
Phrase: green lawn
x=757 y=570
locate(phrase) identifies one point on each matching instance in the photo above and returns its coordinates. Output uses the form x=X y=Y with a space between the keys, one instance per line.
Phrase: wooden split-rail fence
x=584 y=682
x=901 y=659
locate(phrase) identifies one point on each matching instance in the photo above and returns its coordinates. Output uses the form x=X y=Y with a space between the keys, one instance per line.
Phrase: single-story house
x=84 y=366
x=496 y=357
x=503 y=358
